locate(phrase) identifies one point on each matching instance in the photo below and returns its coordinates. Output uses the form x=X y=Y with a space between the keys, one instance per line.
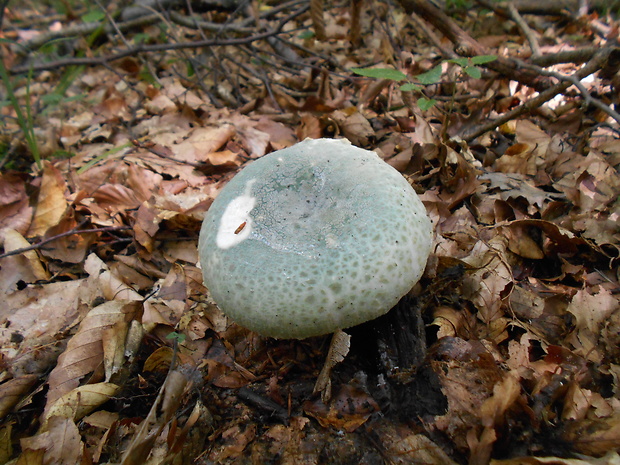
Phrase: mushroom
x=313 y=238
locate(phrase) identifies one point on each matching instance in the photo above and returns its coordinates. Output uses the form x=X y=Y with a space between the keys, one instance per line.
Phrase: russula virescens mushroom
x=313 y=238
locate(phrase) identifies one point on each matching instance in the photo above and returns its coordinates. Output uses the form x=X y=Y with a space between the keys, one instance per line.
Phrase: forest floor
x=119 y=127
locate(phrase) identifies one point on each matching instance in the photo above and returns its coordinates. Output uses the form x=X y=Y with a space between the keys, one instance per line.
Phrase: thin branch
x=578 y=56
x=588 y=99
x=143 y=48
x=525 y=28
x=193 y=23
x=84 y=29
x=597 y=62
x=430 y=34
x=71 y=232
x=3 y=5
x=467 y=46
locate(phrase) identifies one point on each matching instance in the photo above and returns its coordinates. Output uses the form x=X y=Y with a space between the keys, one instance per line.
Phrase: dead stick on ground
x=132 y=51
x=466 y=46
x=588 y=99
x=525 y=28
x=71 y=232
x=597 y=62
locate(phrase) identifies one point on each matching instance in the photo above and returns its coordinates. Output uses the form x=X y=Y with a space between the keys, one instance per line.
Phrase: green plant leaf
x=380 y=73
x=425 y=104
x=430 y=77
x=307 y=34
x=25 y=121
x=482 y=59
x=462 y=62
x=103 y=156
x=93 y=16
x=191 y=71
x=52 y=98
x=141 y=38
x=410 y=87
x=180 y=338
x=473 y=72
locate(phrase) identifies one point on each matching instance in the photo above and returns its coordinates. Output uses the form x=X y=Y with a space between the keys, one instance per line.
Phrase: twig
x=467 y=46
x=578 y=56
x=142 y=48
x=318 y=21
x=594 y=65
x=525 y=28
x=430 y=34
x=588 y=99
x=532 y=7
x=193 y=23
x=84 y=29
x=145 y=18
x=71 y=232
x=3 y=5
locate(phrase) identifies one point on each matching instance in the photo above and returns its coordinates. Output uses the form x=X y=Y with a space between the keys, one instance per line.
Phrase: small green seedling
x=430 y=77
x=176 y=337
x=469 y=64
x=25 y=120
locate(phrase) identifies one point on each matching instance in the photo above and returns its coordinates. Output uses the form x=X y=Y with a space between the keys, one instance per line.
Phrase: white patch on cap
x=236 y=223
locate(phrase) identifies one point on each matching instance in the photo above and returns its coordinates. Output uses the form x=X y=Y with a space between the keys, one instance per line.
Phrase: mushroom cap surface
x=313 y=238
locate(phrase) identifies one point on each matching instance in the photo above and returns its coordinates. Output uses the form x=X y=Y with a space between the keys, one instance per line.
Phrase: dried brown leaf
x=353 y=126
x=85 y=350
x=6 y=443
x=338 y=350
x=25 y=268
x=406 y=446
x=612 y=458
x=60 y=441
x=590 y=312
x=489 y=282
x=79 y=402
x=71 y=248
x=594 y=437
x=13 y=390
x=34 y=316
x=521 y=242
x=15 y=209
x=348 y=410
x=162 y=412
x=51 y=204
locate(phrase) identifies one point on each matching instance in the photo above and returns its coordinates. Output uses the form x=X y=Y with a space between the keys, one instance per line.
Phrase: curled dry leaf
x=338 y=350
x=79 y=402
x=85 y=350
x=15 y=209
x=595 y=437
x=13 y=391
x=591 y=312
x=24 y=268
x=163 y=410
x=51 y=204
x=490 y=281
x=60 y=443
x=33 y=318
x=348 y=410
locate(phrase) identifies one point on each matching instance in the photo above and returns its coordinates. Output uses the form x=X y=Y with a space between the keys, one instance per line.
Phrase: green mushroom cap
x=313 y=238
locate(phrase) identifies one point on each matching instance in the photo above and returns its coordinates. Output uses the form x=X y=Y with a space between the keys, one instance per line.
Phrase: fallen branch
x=578 y=56
x=597 y=62
x=466 y=46
x=143 y=48
x=83 y=29
x=527 y=31
x=71 y=232
x=554 y=7
x=588 y=99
